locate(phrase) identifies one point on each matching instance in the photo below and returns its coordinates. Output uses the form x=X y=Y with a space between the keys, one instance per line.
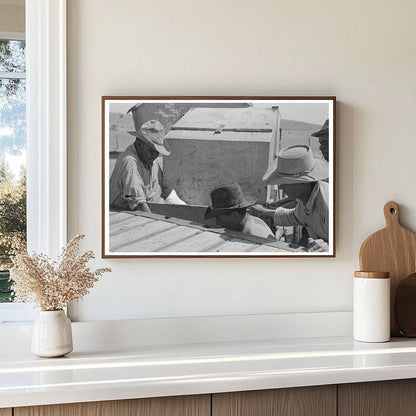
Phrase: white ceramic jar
x=52 y=334
x=371 y=305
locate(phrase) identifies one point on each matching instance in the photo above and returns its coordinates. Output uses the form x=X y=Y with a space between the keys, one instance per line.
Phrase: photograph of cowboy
x=218 y=177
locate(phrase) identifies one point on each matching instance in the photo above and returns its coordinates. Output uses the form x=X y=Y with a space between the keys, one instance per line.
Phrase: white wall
x=361 y=51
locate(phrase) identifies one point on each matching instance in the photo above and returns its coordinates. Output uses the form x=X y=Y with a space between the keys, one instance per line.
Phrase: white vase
x=52 y=334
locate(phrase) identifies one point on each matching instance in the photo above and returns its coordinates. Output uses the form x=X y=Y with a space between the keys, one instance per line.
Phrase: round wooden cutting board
x=393 y=250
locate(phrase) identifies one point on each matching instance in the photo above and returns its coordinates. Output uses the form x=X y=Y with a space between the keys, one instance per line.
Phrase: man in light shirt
x=136 y=177
x=301 y=177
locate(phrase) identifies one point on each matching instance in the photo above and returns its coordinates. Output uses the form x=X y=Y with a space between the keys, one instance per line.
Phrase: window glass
x=12 y=56
x=12 y=156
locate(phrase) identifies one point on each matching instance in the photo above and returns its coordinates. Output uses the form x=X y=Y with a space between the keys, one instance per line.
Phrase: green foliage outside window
x=12 y=223
x=12 y=144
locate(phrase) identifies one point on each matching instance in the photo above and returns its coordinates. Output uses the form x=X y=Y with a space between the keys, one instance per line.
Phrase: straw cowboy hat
x=296 y=164
x=226 y=198
x=152 y=133
x=324 y=129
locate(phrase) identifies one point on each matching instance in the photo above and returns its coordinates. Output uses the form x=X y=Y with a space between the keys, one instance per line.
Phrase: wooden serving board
x=405 y=306
x=393 y=250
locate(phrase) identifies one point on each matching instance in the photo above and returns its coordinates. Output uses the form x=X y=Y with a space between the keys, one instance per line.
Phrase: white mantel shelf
x=151 y=371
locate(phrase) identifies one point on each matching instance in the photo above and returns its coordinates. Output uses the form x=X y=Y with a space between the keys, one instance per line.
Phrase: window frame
x=46 y=137
x=12 y=35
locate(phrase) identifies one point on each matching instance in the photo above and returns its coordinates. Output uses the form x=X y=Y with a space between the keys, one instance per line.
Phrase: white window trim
x=13 y=75
x=46 y=132
x=46 y=125
x=12 y=35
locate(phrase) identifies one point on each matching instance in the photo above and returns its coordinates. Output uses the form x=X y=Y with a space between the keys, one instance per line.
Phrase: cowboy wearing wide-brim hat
x=301 y=177
x=323 y=137
x=227 y=198
x=296 y=164
x=229 y=208
x=135 y=178
x=153 y=134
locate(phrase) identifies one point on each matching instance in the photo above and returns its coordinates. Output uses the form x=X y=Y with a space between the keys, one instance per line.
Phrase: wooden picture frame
x=222 y=154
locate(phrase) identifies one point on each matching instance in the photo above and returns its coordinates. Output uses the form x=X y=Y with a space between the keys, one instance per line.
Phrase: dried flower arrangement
x=53 y=285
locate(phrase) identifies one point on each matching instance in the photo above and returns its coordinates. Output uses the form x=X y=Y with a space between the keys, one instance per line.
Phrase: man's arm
x=143 y=207
x=261 y=212
x=285 y=216
x=280 y=216
x=133 y=191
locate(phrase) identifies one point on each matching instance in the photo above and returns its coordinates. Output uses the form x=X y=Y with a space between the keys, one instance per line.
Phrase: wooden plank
x=201 y=242
x=193 y=213
x=267 y=249
x=212 y=242
x=230 y=233
x=124 y=226
x=157 y=241
x=245 y=238
x=186 y=223
x=5 y=412
x=160 y=406
x=300 y=401
x=135 y=235
x=381 y=398
x=219 y=130
x=229 y=118
x=119 y=216
x=229 y=136
x=234 y=245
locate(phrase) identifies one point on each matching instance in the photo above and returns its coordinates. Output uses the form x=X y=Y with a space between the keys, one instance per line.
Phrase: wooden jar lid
x=372 y=275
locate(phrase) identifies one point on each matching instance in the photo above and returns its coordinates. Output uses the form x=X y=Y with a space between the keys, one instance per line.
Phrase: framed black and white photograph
x=218 y=176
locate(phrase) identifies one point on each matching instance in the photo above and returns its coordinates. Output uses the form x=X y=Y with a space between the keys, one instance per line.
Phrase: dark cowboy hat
x=226 y=198
x=324 y=129
x=153 y=134
x=296 y=164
